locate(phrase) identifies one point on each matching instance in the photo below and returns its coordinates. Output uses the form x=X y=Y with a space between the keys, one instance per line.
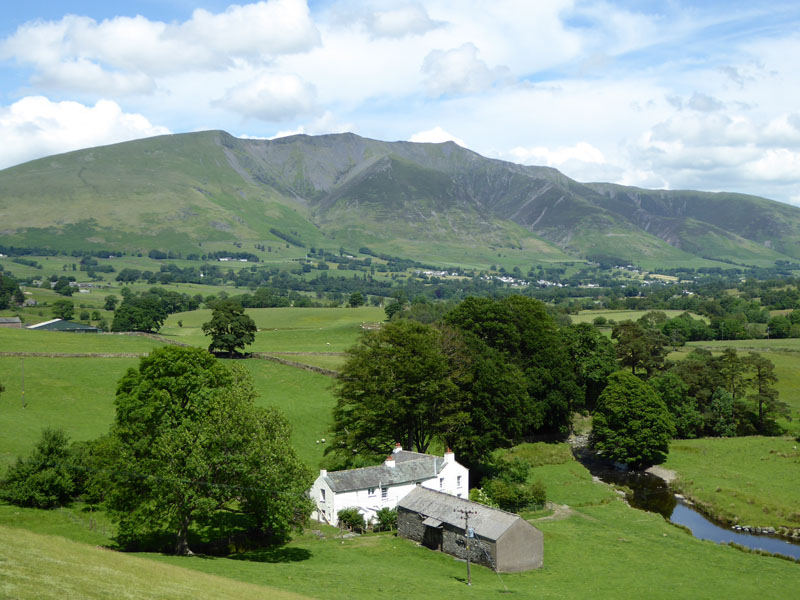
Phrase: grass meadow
x=285 y=329
x=749 y=481
x=587 y=316
x=599 y=548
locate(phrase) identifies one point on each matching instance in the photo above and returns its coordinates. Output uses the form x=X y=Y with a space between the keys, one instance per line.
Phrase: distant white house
x=372 y=488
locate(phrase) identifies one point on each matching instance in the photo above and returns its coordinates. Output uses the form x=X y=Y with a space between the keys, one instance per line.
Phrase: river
x=652 y=494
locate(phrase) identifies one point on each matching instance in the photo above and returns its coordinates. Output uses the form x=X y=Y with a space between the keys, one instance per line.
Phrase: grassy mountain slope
x=705 y=223
x=181 y=192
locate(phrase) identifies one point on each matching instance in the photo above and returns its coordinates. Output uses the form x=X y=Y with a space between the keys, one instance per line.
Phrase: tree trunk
x=182 y=543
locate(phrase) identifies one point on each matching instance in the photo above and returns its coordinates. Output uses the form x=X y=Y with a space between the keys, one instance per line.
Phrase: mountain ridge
x=182 y=190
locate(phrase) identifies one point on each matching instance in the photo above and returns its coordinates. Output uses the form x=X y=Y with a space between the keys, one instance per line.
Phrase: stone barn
x=501 y=541
x=11 y=322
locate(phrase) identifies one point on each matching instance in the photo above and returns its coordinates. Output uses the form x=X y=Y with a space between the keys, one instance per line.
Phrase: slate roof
x=409 y=467
x=489 y=523
x=10 y=320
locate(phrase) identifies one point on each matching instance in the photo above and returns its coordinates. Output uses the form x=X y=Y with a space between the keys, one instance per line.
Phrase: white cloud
x=271 y=97
x=138 y=48
x=398 y=22
x=326 y=123
x=34 y=126
x=459 y=71
x=437 y=135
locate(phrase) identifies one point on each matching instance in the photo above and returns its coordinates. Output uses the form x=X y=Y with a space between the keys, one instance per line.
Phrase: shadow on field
x=274 y=555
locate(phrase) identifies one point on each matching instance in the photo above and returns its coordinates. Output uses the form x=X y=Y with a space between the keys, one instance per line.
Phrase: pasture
x=749 y=481
x=585 y=544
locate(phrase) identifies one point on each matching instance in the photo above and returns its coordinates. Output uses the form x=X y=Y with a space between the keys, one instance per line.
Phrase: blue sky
x=668 y=94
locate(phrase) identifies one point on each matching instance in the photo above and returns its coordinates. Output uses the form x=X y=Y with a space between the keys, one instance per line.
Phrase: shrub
x=352 y=519
x=42 y=480
x=386 y=520
x=600 y=320
x=481 y=497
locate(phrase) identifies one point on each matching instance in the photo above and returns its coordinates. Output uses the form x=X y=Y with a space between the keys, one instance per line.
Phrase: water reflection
x=652 y=494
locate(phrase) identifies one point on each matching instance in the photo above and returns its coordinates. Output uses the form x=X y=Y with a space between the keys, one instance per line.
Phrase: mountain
x=440 y=202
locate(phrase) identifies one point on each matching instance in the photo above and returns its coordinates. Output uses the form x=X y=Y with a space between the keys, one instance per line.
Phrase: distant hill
x=417 y=200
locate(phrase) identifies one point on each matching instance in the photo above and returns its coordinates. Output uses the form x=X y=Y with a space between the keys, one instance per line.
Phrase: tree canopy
x=631 y=424
x=230 y=328
x=396 y=386
x=187 y=443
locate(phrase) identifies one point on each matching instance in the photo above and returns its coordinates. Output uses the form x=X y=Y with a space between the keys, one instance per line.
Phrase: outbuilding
x=63 y=325
x=498 y=539
x=11 y=322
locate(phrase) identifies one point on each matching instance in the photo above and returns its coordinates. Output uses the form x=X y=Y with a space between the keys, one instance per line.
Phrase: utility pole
x=468 y=533
x=23 y=383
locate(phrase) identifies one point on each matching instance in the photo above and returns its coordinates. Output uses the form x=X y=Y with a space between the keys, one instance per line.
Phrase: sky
x=659 y=94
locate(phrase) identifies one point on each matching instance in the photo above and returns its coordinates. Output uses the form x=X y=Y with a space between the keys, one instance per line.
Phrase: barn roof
x=62 y=325
x=489 y=523
x=10 y=320
x=409 y=467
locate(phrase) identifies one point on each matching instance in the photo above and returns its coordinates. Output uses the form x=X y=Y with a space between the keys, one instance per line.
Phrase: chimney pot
x=397 y=448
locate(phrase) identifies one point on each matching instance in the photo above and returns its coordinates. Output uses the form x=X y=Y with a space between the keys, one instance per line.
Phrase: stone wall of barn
x=453 y=542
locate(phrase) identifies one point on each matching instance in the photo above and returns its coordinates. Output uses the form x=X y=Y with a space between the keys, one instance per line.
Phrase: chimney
x=323 y=472
x=389 y=462
x=449 y=456
x=397 y=448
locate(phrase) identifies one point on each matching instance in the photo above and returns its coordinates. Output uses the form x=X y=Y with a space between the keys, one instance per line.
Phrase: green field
x=587 y=316
x=598 y=548
x=36 y=566
x=23 y=340
x=285 y=329
x=749 y=481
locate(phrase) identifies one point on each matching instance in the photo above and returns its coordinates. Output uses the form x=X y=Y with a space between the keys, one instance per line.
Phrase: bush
x=600 y=320
x=352 y=519
x=42 y=480
x=481 y=497
x=386 y=520
x=510 y=488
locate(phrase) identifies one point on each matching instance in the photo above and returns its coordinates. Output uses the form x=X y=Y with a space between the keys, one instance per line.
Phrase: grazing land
x=748 y=480
x=73 y=394
x=39 y=567
x=584 y=548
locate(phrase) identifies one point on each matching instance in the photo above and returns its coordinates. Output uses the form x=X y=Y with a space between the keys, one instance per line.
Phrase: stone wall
x=409 y=525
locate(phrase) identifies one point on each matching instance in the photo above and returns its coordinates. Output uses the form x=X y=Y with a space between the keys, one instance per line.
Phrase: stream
x=652 y=494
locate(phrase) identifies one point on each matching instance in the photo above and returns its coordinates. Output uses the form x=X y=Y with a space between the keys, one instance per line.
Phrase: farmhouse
x=63 y=325
x=372 y=488
x=500 y=540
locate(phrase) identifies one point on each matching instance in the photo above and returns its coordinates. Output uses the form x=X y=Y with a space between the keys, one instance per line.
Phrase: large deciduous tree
x=639 y=347
x=63 y=309
x=230 y=328
x=631 y=425
x=396 y=386
x=187 y=444
x=524 y=340
x=593 y=359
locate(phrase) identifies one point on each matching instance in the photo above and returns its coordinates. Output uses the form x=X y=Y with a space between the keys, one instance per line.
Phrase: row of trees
x=490 y=373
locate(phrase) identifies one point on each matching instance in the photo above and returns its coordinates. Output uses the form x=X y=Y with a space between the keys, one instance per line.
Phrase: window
x=384 y=493
x=441 y=483
x=322 y=494
x=458 y=481
x=371 y=492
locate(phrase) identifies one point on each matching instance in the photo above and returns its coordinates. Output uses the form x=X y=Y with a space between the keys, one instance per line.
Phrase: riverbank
x=749 y=483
